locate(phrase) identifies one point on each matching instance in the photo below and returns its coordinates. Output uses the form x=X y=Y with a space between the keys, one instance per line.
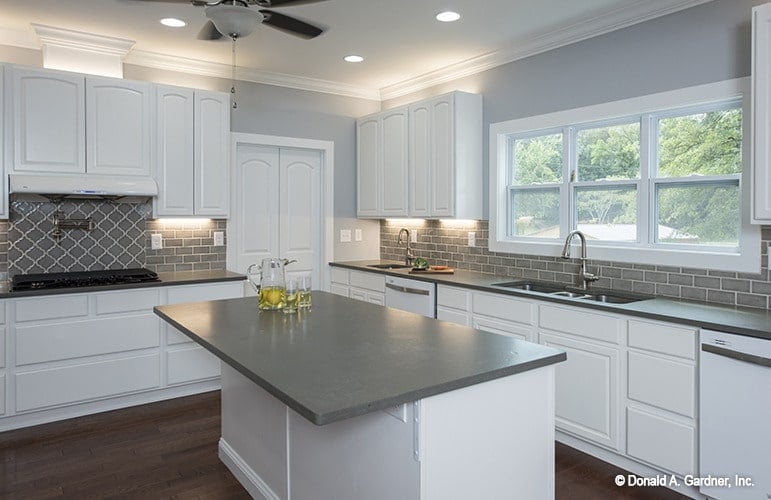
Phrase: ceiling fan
x=235 y=19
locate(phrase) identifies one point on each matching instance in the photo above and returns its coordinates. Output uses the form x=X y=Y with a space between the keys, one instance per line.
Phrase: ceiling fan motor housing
x=233 y=20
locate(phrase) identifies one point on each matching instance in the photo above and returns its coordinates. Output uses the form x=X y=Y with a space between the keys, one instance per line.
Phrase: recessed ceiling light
x=353 y=59
x=173 y=22
x=447 y=16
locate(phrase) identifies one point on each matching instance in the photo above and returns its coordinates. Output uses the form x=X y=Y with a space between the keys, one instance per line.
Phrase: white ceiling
x=404 y=46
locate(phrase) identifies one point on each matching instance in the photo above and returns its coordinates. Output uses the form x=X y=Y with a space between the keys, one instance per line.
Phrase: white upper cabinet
x=761 y=114
x=442 y=151
x=49 y=122
x=118 y=127
x=212 y=146
x=192 y=153
x=382 y=164
x=174 y=151
x=3 y=162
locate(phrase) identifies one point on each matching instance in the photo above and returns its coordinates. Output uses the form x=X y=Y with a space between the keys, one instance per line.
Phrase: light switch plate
x=414 y=236
x=472 y=239
x=357 y=235
x=219 y=238
x=345 y=236
x=156 y=241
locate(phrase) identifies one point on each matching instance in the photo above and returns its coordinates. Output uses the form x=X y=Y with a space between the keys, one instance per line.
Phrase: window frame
x=650 y=108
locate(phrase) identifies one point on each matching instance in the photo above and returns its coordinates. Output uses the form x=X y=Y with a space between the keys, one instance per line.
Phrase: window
x=656 y=179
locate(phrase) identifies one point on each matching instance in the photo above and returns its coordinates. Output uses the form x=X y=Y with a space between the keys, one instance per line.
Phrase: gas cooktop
x=45 y=281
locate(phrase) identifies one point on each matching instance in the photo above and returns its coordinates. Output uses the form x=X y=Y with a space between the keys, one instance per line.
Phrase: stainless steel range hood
x=82 y=185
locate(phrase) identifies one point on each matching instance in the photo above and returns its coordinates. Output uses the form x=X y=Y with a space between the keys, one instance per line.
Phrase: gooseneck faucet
x=408 y=257
x=583 y=277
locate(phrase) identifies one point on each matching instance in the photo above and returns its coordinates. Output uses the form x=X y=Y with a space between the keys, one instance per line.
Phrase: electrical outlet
x=219 y=238
x=472 y=239
x=345 y=236
x=357 y=235
x=156 y=241
x=414 y=236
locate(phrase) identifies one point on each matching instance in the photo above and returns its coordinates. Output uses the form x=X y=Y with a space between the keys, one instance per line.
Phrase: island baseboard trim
x=248 y=478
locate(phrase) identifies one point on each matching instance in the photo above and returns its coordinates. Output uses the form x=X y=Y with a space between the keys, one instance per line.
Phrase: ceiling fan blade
x=281 y=3
x=290 y=25
x=209 y=32
x=167 y=1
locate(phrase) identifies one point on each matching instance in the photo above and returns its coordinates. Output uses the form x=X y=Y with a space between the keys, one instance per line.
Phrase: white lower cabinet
x=359 y=285
x=490 y=312
x=74 y=354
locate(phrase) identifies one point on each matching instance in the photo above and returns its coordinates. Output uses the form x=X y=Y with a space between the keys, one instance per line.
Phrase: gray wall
x=703 y=44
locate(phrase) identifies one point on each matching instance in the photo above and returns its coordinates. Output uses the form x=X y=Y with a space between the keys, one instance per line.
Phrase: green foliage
x=538 y=160
x=609 y=153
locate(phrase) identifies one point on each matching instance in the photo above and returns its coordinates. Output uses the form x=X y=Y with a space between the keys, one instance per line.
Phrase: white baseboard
x=249 y=479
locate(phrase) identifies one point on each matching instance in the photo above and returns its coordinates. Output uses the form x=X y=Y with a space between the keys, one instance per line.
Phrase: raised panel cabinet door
x=761 y=113
x=3 y=147
x=118 y=127
x=211 y=158
x=174 y=151
x=420 y=159
x=442 y=157
x=394 y=152
x=367 y=167
x=49 y=122
x=586 y=389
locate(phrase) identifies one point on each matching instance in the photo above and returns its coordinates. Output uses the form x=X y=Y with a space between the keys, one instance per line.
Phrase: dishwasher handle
x=404 y=289
x=741 y=356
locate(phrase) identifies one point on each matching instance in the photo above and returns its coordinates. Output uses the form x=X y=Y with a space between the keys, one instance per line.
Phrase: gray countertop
x=346 y=358
x=167 y=279
x=742 y=321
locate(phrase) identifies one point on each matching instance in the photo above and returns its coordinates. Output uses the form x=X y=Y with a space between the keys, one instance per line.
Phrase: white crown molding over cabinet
x=422 y=160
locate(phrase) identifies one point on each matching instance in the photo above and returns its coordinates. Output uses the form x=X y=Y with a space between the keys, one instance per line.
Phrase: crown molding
x=638 y=12
x=79 y=40
x=206 y=68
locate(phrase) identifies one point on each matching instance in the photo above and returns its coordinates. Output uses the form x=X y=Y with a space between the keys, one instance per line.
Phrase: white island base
x=493 y=440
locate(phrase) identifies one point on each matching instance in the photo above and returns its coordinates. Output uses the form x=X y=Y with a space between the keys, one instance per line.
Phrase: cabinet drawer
x=452 y=315
x=2 y=394
x=57 y=341
x=341 y=290
x=129 y=301
x=2 y=312
x=452 y=297
x=60 y=306
x=502 y=307
x=368 y=281
x=189 y=364
x=659 y=337
x=666 y=384
x=71 y=384
x=174 y=336
x=199 y=293
x=517 y=330
x=2 y=347
x=338 y=275
x=661 y=442
x=580 y=322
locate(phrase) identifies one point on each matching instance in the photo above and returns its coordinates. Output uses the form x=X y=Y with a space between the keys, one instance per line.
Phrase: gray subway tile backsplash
x=703 y=285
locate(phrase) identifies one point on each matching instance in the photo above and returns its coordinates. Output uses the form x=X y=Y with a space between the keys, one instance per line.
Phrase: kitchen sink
x=570 y=292
x=389 y=266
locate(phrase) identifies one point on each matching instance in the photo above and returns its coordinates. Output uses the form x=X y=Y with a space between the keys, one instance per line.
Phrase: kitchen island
x=353 y=400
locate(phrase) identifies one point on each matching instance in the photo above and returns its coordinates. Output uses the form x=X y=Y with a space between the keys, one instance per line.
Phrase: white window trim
x=747 y=259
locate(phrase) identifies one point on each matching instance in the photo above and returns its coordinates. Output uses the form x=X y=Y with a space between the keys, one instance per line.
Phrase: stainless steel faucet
x=583 y=277
x=408 y=257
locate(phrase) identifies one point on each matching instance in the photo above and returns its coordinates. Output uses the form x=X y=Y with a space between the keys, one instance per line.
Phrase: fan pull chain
x=233 y=73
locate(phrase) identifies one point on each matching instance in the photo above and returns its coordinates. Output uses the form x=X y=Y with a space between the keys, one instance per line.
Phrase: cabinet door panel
x=420 y=159
x=376 y=298
x=174 y=151
x=672 y=340
x=519 y=331
x=442 y=157
x=367 y=161
x=669 y=385
x=118 y=127
x=761 y=114
x=452 y=297
x=662 y=442
x=191 y=364
x=587 y=389
x=577 y=322
x=2 y=394
x=394 y=167
x=503 y=307
x=452 y=315
x=49 y=121
x=212 y=153
x=341 y=290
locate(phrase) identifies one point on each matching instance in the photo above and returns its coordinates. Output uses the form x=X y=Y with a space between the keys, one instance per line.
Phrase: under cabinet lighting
x=447 y=16
x=406 y=222
x=457 y=222
x=173 y=22
x=353 y=59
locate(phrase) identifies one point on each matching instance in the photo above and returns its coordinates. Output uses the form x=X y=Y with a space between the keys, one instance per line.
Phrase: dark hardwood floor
x=169 y=450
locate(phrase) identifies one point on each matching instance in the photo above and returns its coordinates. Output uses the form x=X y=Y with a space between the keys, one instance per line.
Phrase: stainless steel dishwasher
x=411 y=295
x=735 y=416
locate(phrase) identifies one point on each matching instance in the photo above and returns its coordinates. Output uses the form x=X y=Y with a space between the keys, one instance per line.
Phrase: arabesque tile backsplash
x=445 y=243
x=120 y=238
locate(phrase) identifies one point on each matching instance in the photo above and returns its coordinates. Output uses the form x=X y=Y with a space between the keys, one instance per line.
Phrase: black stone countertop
x=346 y=358
x=742 y=321
x=167 y=279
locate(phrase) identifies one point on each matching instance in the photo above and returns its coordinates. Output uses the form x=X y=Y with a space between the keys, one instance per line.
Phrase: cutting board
x=449 y=270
